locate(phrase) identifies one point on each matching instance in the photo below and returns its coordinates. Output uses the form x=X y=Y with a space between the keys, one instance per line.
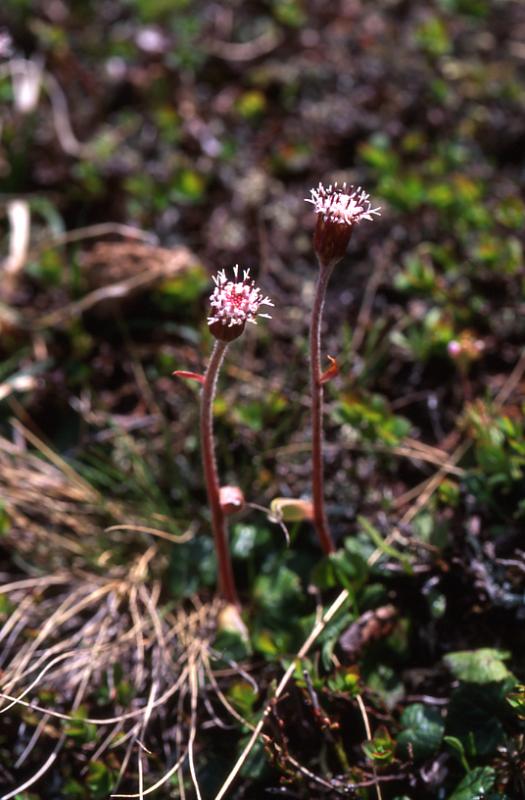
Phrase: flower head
x=234 y=303
x=465 y=348
x=338 y=210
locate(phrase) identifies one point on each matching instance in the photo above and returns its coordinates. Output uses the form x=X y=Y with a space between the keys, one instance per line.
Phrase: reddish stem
x=317 y=389
x=226 y=581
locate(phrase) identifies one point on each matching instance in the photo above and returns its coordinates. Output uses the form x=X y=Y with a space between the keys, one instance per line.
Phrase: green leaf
x=381 y=748
x=385 y=682
x=6 y=607
x=427 y=528
x=192 y=566
x=78 y=729
x=331 y=635
x=278 y=595
x=382 y=545
x=182 y=292
x=246 y=538
x=457 y=745
x=230 y=645
x=73 y=790
x=242 y=696
x=251 y=104
x=379 y=155
x=432 y=36
x=474 y=717
x=255 y=765
x=350 y=568
x=422 y=734
x=479 y=666
x=99 y=780
x=371 y=417
x=188 y=186
x=475 y=784
x=515 y=699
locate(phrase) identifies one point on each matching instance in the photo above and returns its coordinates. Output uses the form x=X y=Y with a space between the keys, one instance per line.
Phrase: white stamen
x=236 y=302
x=344 y=206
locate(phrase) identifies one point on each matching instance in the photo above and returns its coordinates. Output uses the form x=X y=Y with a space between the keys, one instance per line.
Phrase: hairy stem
x=226 y=581
x=317 y=390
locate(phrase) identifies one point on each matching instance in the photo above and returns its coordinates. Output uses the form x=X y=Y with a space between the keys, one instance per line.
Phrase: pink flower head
x=454 y=348
x=234 y=303
x=338 y=210
x=346 y=205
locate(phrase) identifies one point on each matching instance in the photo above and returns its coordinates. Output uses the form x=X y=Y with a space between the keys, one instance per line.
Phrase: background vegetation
x=201 y=126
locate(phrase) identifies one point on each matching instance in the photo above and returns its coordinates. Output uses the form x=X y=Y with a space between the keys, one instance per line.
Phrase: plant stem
x=226 y=581
x=317 y=390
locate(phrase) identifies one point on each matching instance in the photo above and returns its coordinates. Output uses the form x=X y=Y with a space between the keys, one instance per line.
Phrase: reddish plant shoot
x=233 y=304
x=337 y=210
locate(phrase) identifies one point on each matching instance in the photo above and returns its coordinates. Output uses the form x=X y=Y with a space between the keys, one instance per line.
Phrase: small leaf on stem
x=194 y=376
x=331 y=372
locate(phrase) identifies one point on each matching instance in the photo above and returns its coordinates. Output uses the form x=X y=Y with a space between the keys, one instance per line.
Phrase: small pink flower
x=465 y=348
x=338 y=210
x=454 y=348
x=234 y=303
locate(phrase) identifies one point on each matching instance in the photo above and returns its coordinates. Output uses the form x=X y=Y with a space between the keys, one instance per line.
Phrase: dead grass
x=79 y=632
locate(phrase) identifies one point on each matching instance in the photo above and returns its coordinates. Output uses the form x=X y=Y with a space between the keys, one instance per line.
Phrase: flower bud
x=231 y=499
x=291 y=509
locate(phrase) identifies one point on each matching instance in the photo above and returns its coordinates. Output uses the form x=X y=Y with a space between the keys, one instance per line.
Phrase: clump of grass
x=102 y=641
x=82 y=631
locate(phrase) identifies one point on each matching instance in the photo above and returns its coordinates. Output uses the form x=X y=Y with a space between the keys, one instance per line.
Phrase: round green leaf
x=422 y=734
x=479 y=666
x=474 y=785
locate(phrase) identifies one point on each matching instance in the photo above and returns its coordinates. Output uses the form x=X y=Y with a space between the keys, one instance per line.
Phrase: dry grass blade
x=368 y=731
x=43 y=469
x=37 y=775
x=169 y=774
x=245 y=51
x=194 y=694
x=32 y=742
x=19 y=216
x=169 y=537
x=95 y=232
x=115 y=270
